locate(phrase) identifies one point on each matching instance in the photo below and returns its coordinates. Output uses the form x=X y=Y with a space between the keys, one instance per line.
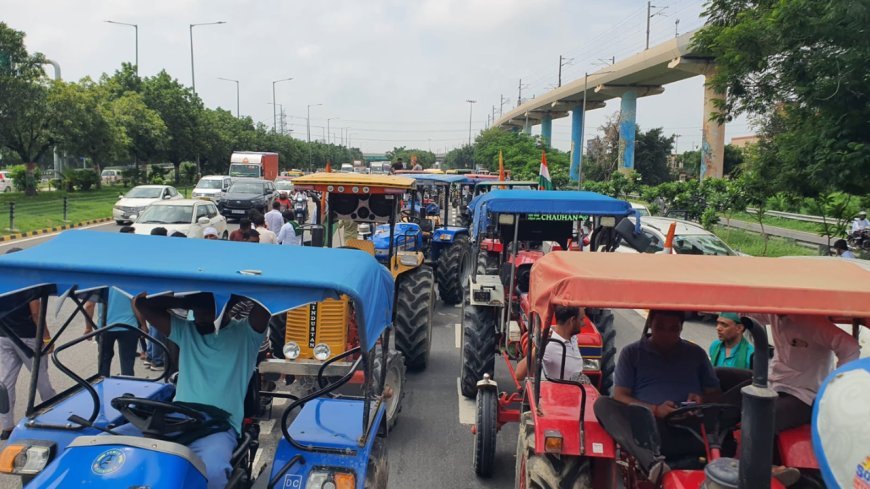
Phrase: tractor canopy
x=835 y=288
x=437 y=178
x=354 y=183
x=279 y=278
x=566 y=203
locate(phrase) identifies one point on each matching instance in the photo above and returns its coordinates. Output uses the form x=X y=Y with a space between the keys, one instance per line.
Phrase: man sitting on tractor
x=215 y=368
x=569 y=320
x=663 y=371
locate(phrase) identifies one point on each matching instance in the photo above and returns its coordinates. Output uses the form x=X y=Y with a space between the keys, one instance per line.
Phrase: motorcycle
x=300 y=208
x=859 y=240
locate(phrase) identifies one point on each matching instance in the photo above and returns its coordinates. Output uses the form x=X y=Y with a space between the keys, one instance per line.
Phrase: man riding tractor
x=309 y=335
x=670 y=285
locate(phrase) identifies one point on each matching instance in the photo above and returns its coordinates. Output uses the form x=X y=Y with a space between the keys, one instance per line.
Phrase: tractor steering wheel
x=717 y=419
x=158 y=419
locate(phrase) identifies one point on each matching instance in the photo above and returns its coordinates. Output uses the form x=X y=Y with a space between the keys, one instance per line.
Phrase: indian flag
x=544 y=182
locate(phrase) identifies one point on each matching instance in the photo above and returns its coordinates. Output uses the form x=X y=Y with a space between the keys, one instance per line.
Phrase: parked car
x=641 y=209
x=689 y=238
x=129 y=205
x=110 y=176
x=6 y=181
x=211 y=187
x=246 y=194
x=189 y=216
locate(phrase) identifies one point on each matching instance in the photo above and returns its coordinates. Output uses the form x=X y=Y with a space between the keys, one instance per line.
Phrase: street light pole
x=237 y=93
x=275 y=117
x=136 y=27
x=470 y=107
x=329 y=134
x=192 y=71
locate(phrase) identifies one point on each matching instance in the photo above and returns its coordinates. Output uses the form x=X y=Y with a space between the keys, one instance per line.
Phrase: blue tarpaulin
x=445 y=178
x=278 y=277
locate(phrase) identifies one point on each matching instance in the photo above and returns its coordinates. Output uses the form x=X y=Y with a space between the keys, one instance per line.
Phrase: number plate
x=237 y=211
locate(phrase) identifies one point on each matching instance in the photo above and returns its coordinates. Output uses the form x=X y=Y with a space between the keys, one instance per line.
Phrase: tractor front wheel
x=453 y=270
x=486 y=428
x=378 y=467
x=547 y=471
x=277 y=331
x=394 y=386
x=608 y=350
x=487 y=263
x=478 y=347
x=415 y=300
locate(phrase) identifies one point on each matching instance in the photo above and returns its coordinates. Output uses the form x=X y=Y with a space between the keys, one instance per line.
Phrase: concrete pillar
x=547 y=129
x=627 y=129
x=527 y=127
x=576 y=142
x=712 y=134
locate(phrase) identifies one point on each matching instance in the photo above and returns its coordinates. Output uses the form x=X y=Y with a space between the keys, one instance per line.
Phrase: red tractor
x=737 y=433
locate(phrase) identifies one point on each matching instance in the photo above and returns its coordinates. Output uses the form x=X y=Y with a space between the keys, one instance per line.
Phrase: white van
x=211 y=187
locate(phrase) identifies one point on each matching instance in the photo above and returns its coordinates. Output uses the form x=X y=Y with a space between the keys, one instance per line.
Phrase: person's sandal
x=787 y=476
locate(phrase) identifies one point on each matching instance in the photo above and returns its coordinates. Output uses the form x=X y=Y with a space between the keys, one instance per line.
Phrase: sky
x=387 y=73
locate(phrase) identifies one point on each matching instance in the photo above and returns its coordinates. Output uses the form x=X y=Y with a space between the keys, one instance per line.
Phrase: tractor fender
x=448 y=234
x=486 y=383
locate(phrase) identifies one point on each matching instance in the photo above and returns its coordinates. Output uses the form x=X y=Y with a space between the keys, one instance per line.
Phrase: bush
x=131 y=176
x=19 y=177
x=82 y=179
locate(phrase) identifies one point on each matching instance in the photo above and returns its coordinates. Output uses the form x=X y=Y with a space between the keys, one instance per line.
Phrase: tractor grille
x=322 y=322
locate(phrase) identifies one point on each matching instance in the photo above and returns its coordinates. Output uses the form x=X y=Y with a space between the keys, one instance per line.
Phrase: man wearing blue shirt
x=117 y=309
x=215 y=366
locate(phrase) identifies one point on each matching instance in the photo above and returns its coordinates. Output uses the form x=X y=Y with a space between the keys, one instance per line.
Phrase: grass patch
x=45 y=210
x=809 y=227
x=752 y=244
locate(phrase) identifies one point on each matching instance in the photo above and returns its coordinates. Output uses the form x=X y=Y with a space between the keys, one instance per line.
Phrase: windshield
x=246 y=188
x=209 y=183
x=108 y=173
x=144 y=193
x=284 y=185
x=244 y=170
x=641 y=211
x=166 y=214
x=701 y=244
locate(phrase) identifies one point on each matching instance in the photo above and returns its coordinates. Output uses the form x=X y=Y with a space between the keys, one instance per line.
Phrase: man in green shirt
x=731 y=349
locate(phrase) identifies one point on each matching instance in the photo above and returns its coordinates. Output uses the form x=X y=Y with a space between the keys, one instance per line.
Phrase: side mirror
x=165 y=197
x=625 y=230
x=203 y=221
x=4 y=400
x=133 y=217
x=120 y=196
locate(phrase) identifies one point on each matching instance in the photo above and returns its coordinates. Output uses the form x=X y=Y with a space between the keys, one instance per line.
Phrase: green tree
x=181 y=111
x=651 y=156
x=425 y=158
x=799 y=68
x=26 y=119
x=143 y=128
x=462 y=157
x=690 y=161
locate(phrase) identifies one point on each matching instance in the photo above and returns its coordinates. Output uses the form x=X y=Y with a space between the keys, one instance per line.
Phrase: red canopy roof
x=816 y=286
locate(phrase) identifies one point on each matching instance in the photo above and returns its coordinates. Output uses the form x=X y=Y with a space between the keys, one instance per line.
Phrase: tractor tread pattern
x=478 y=348
x=451 y=267
x=413 y=324
x=487 y=428
x=548 y=471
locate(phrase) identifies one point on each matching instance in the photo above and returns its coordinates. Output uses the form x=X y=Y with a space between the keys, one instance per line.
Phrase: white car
x=129 y=205
x=188 y=216
x=689 y=238
x=641 y=209
x=211 y=187
x=5 y=181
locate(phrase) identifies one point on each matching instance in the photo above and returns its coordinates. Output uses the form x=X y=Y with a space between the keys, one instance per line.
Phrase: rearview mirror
x=626 y=230
x=4 y=400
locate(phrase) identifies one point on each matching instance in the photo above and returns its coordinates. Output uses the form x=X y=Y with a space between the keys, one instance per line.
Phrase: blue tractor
x=74 y=438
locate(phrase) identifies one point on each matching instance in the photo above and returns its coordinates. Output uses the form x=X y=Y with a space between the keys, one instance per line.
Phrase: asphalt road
x=431 y=446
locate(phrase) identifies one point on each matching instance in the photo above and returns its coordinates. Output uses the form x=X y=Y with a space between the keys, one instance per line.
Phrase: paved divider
x=12 y=237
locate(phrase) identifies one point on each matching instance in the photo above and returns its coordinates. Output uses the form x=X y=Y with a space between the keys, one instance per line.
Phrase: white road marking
x=458 y=328
x=257 y=459
x=457 y=306
x=467 y=407
x=43 y=236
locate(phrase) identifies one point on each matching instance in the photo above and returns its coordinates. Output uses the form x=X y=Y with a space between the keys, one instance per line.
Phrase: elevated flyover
x=640 y=75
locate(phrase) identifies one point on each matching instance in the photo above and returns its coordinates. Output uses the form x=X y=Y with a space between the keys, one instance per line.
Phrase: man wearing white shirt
x=860 y=223
x=287 y=235
x=569 y=320
x=274 y=219
x=266 y=235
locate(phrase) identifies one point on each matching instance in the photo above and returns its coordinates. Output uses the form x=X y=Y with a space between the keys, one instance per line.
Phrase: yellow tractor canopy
x=354 y=183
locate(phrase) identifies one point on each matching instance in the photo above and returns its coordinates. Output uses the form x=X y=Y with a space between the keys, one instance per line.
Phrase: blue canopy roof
x=443 y=178
x=278 y=277
x=544 y=202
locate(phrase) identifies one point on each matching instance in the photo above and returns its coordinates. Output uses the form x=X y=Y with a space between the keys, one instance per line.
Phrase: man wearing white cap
x=210 y=233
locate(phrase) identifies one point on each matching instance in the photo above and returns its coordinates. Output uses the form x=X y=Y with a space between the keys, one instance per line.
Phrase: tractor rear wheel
x=395 y=381
x=486 y=429
x=547 y=471
x=608 y=350
x=478 y=347
x=415 y=300
x=487 y=263
x=452 y=271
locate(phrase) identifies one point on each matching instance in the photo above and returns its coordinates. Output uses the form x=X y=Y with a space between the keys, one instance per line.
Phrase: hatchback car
x=129 y=205
x=188 y=216
x=246 y=194
x=689 y=238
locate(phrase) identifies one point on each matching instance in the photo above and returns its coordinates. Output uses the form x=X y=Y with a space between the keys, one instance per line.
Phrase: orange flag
x=328 y=167
x=500 y=167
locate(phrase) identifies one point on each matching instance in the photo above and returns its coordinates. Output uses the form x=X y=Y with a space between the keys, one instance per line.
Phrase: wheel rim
x=394 y=382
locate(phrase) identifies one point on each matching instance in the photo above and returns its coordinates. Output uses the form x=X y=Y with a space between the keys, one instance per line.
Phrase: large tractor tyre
x=487 y=263
x=395 y=384
x=453 y=270
x=486 y=428
x=378 y=466
x=277 y=332
x=478 y=347
x=547 y=471
x=415 y=300
x=608 y=350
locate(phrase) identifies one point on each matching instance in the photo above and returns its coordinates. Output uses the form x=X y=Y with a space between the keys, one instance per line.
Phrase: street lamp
x=308 y=127
x=237 y=93
x=136 y=27
x=470 y=107
x=274 y=119
x=329 y=134
x=192 y=72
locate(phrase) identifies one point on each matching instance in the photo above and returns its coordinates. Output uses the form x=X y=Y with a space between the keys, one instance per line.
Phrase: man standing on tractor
x=731 y=349
x=569 y=320
x=209 y=359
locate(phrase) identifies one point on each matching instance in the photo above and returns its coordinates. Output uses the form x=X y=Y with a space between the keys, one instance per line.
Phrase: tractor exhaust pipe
x=756 y=455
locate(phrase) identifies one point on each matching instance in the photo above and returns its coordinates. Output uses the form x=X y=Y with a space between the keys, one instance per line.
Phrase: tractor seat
x=361 y=244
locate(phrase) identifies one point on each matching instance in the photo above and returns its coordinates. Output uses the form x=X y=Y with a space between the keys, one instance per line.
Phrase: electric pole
x=563 y=61
x=502 y=101
x=649 y=15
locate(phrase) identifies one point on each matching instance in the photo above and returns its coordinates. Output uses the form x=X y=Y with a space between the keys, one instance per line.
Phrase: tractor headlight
x=327 y=479
x=591 y=364
x=291 y=350
x=408 y=259
x=27 y=457
x=444 y=237
x=322 y=352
